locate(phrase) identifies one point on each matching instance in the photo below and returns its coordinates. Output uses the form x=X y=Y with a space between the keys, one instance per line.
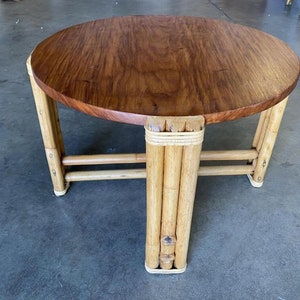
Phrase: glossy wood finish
x=128 y=68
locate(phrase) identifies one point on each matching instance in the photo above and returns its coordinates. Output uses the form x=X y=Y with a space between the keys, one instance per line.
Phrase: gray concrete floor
x=245 y=242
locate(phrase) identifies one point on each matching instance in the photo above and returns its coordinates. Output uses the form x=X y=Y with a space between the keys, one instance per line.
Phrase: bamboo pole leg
x=189 y=176
x=261 y=129
x=51 y=134
x=172 y=168
x=57 y=128
x=154 y=162
x=258 y=140
x=267 y=143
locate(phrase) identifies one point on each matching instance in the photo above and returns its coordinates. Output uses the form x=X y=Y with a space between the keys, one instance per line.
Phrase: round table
x=174 y=75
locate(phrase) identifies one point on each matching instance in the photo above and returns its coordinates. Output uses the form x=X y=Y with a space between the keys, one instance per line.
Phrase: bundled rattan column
x=264 y=140
x=51 y=133
x=173 y=147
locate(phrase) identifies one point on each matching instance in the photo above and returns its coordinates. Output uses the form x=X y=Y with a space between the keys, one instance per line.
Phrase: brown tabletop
x=127 y=68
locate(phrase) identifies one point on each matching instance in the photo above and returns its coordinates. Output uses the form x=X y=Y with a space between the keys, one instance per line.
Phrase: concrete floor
x=245 y=242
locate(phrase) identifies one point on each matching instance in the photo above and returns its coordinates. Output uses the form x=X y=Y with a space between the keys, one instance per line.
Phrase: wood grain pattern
x=127 y=68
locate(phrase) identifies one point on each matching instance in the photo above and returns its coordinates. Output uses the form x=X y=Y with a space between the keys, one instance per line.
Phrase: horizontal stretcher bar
x=133 y=158
x=141 y=173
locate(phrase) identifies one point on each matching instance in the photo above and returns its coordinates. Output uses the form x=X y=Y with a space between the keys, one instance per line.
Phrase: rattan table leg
x=51 y=133
x=173 y=148
x=265 y=139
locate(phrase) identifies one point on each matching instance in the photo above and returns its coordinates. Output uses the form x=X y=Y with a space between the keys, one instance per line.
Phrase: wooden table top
x=127 y=68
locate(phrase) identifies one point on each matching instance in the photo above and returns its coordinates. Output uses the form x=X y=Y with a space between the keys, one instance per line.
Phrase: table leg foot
x=63 y=192
x=163 y=271
x=289 y=2
x=254 y=183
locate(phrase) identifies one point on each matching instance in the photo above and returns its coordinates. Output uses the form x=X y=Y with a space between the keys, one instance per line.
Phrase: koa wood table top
x=127 y=68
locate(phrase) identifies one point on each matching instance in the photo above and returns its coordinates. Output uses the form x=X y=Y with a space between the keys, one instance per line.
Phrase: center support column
x=173 y=147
